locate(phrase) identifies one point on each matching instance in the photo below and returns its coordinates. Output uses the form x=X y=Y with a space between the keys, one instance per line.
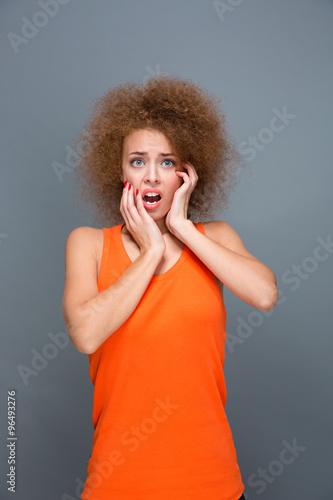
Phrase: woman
x=142 y=298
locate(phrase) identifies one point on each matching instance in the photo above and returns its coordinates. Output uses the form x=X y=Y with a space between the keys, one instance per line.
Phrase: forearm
x=249 y=279
x=104 y=313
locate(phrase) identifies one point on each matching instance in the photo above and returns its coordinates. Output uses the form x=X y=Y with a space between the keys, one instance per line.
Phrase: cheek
x=173 y=185
x=131 y=178
x=177 y=182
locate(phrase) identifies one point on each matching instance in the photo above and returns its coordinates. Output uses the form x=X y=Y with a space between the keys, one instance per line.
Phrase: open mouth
x=151 y=198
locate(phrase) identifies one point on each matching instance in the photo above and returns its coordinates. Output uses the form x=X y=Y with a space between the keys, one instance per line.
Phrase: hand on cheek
x=177 y=214
x=183 y=173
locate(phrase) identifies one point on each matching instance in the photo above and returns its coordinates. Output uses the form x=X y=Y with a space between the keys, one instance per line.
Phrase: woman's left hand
x=177 y=214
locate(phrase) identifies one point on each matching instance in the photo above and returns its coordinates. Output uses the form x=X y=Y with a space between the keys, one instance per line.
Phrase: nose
x=152 y=173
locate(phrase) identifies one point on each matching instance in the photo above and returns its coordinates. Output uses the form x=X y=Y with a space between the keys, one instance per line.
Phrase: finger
x=191 y=171
x=184 y=175
x=123 y=207
x=122 y=200
x=188 y=165
x=129 y=202
x=131 y=207
x=186 y=181
x=139 y=205
x=193 y=176
x=128 y=206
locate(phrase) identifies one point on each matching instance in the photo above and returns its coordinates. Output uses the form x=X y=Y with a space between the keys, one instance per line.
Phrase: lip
x=147 y=205
x=151 y=191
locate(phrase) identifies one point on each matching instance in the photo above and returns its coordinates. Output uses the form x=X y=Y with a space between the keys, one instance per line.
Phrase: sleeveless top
x=160 y=429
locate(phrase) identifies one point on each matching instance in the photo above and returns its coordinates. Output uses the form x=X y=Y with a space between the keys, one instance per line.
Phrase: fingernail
x=137 y=192
x=125 y=184
x=129 y=187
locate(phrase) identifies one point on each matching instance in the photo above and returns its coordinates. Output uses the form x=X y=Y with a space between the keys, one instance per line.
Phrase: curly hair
x=189 y=117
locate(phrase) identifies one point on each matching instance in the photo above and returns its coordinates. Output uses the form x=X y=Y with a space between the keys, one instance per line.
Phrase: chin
x=156 y=215
x=159 y=212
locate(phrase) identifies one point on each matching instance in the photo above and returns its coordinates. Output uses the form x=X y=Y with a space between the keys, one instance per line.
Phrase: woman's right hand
x=139 y=223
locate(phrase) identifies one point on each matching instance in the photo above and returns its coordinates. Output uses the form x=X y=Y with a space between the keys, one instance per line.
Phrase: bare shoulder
x=86 y=235
x=221 y=232
x=227 y=236
x=87 y=238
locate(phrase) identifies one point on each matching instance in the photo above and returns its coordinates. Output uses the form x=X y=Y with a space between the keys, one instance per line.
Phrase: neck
x=162 y=225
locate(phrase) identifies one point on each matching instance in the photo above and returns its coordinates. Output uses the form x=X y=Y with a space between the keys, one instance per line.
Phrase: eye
x=171 y=163
x=136 y=159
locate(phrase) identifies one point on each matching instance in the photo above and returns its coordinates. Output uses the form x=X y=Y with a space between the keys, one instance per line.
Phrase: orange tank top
x=160 y=429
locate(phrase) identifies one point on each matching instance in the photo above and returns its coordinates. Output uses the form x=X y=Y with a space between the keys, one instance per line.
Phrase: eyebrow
x=142 y=153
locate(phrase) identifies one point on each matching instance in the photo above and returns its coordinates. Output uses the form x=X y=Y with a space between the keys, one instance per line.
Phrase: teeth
x=151 y=194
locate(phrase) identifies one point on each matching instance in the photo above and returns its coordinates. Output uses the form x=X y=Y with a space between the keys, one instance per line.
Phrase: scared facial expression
x=149 y=163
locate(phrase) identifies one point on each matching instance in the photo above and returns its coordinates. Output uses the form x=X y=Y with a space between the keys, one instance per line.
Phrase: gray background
x=258 y=57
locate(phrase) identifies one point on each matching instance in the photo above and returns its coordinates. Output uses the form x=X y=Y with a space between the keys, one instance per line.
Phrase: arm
x=222 y=251
x=91 y=317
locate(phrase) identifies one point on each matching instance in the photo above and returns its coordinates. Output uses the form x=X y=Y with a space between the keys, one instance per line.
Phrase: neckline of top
x=156 y=277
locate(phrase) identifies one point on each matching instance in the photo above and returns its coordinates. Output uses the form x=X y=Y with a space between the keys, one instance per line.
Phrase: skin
x=165 y=230
x=153 y=229
x=153 y=239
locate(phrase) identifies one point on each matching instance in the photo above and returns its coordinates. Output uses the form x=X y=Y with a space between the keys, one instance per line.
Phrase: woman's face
x=149 y=163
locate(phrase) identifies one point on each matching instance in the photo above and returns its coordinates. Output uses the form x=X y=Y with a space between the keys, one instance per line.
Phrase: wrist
x=153 y=254
x=182 y=228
